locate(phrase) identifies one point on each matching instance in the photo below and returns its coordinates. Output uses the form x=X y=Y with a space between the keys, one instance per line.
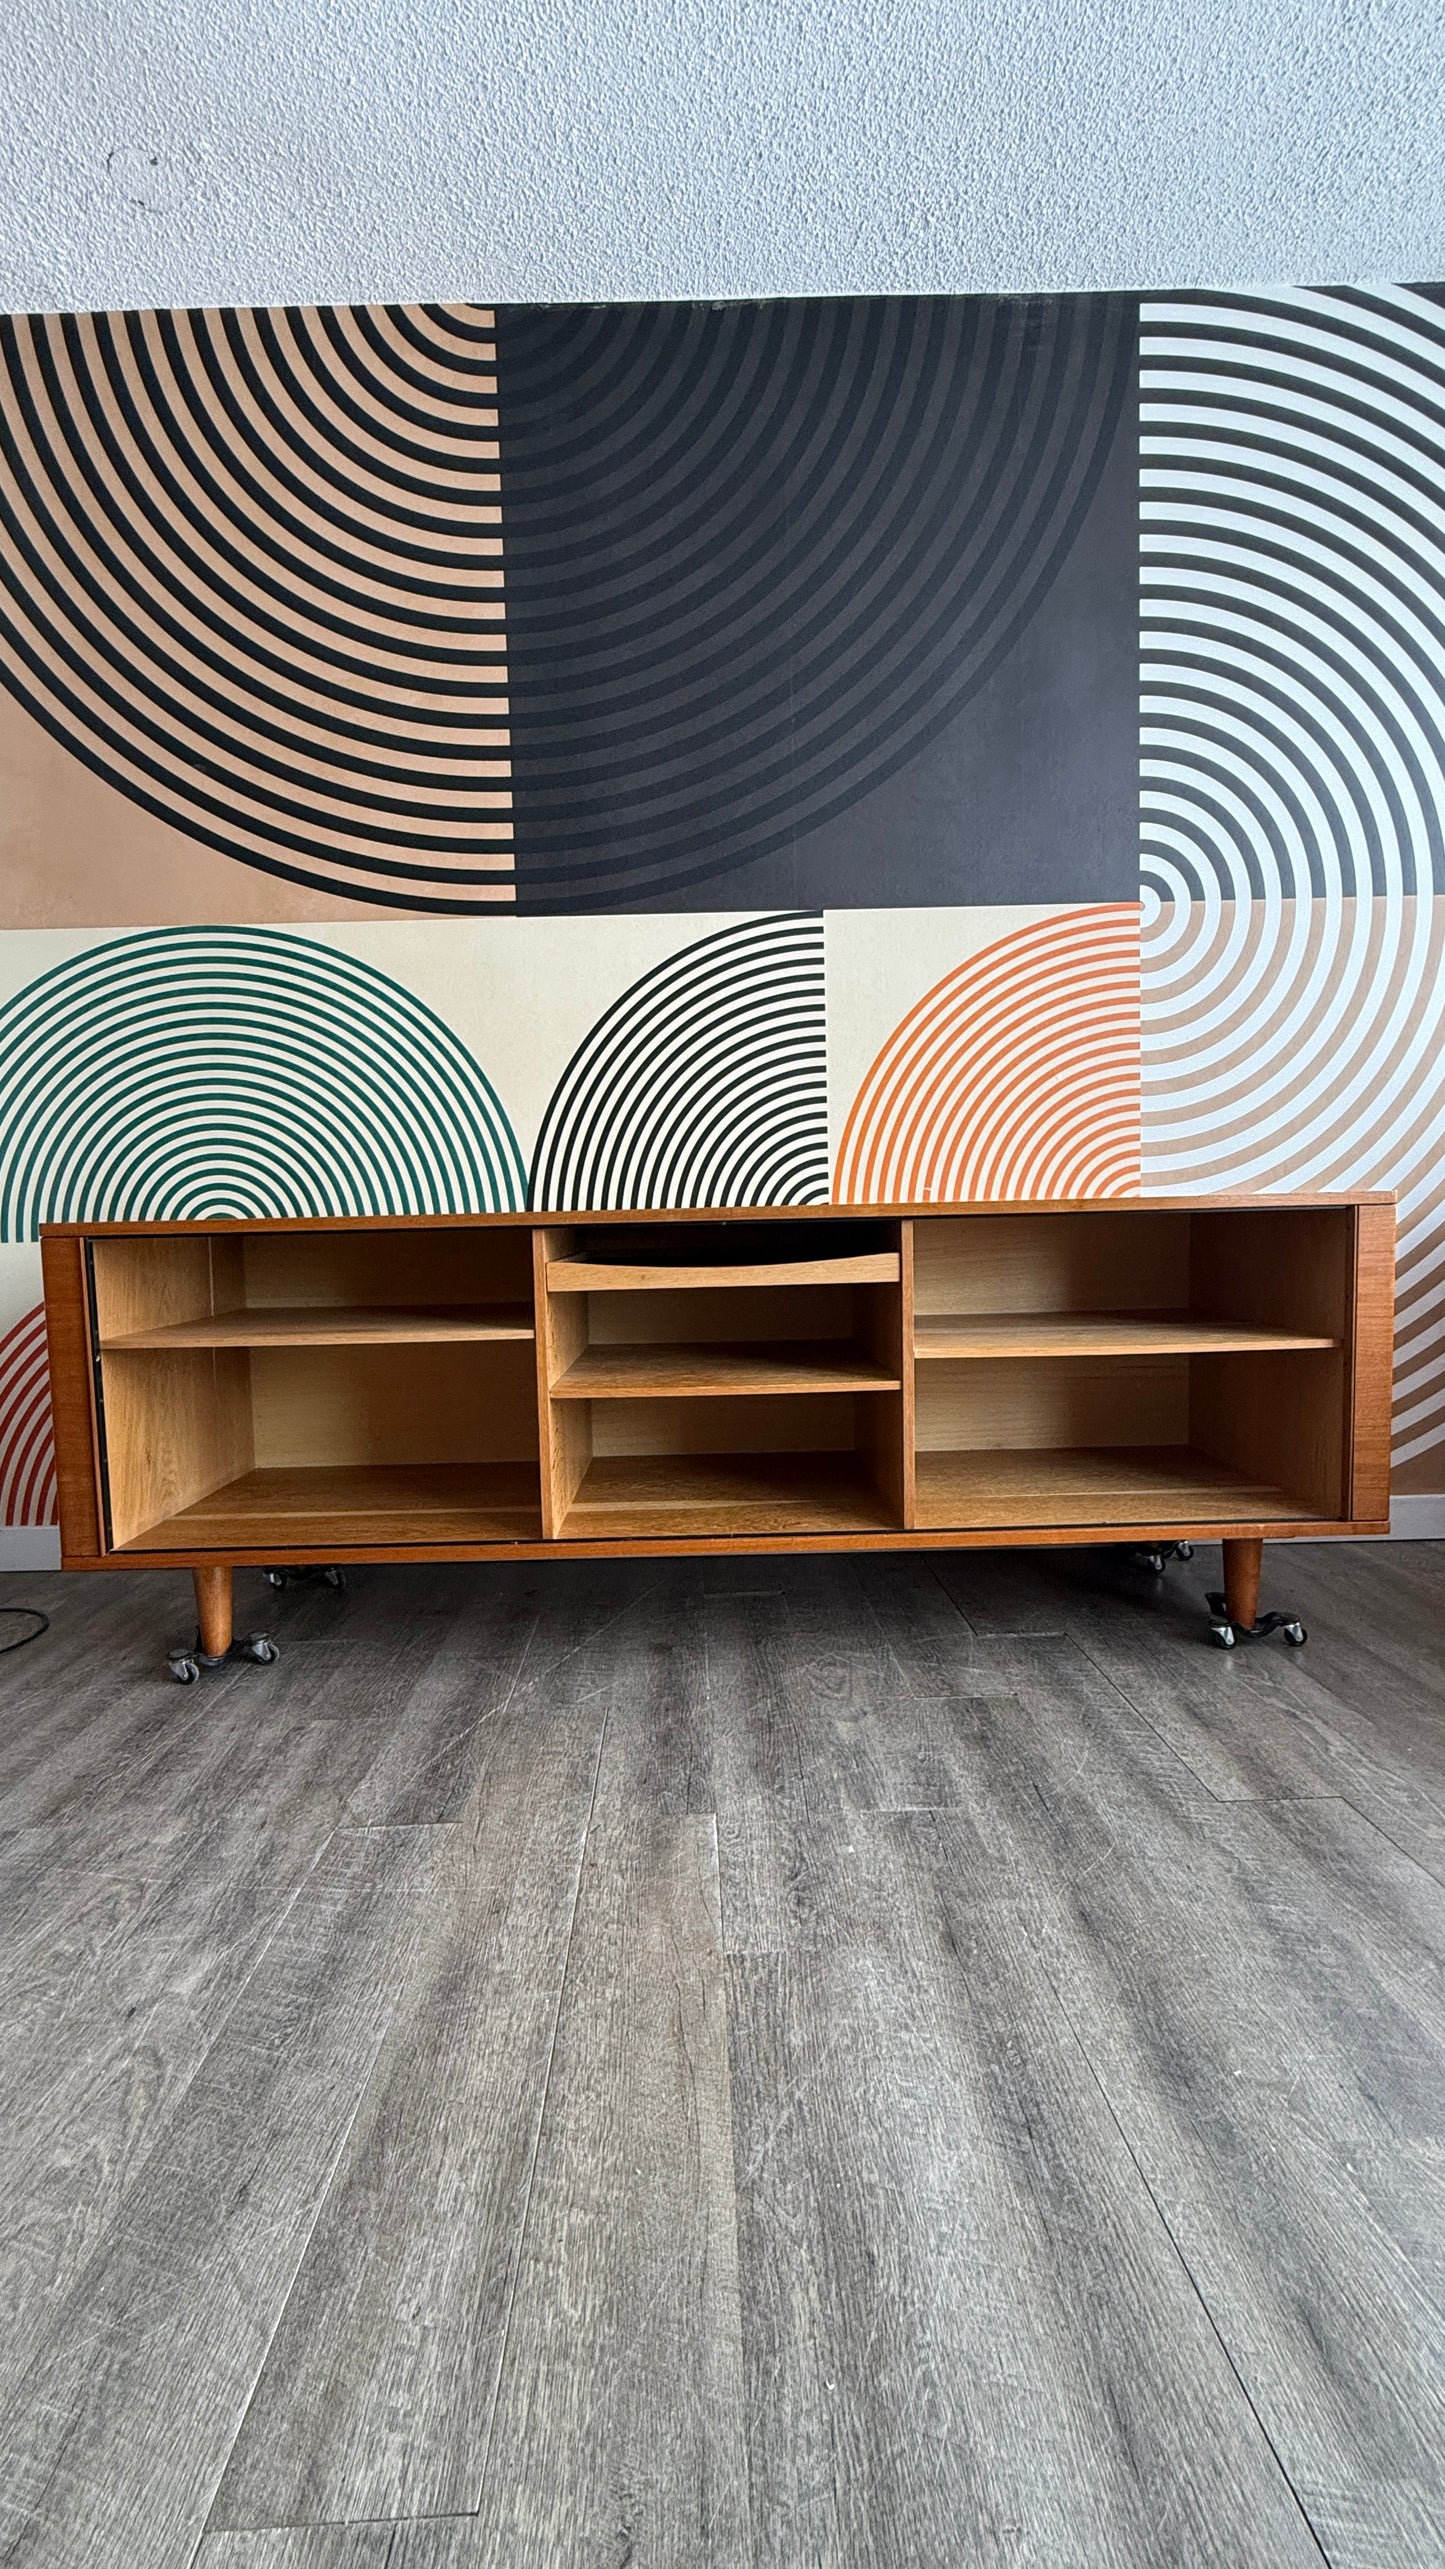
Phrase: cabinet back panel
x=813 y=1423
x=1051 y=1262
x=1052 y=1401
x=705 y=1318
x=405 y=1404
x=389 y=1269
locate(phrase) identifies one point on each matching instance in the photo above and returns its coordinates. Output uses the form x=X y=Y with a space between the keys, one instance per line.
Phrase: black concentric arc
x=704 y=1083
x=759 y=556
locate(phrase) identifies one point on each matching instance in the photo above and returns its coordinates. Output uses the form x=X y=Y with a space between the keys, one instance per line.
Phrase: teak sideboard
x=510 y=1386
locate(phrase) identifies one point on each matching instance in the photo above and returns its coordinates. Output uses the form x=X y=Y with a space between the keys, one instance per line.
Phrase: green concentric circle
x=188 y=1073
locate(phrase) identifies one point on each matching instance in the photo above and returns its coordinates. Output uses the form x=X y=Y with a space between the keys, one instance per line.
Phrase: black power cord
x=34 y=1615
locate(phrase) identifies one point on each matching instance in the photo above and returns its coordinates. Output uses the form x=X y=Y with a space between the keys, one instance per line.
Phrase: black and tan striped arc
x=252 y=577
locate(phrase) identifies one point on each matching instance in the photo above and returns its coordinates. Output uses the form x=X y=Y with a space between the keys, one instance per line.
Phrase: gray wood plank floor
x=732 y=2065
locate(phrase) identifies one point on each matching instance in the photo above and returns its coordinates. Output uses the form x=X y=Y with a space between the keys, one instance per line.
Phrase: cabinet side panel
x=147 y=1284
x=177 y=1426
x=72 y=1395
x=1372 y=1354
x=1281 y=1420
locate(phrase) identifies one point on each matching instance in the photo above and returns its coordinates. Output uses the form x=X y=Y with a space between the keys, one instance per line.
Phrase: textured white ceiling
x=269 y=151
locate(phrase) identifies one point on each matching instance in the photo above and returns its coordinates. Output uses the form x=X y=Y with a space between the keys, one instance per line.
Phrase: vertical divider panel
x=564 y=1427
x=884 y=1431
x=1371 y=1362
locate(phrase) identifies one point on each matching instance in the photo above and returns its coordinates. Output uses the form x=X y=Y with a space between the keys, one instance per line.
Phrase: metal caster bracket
x=1228 y=1634
x=305 y=1574
x=186 y=1665
x=1157 y=1556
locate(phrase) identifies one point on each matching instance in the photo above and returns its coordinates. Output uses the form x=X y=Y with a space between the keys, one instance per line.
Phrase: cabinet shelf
x=1018 y=1488
x=1104 y=1333
x=339 y=1505
x=631 y=1497
x=676 y=1372
x=336 y=1326
x=595 y=1275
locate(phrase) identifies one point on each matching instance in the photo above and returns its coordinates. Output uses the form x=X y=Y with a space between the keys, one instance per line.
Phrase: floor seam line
x=525 y=2222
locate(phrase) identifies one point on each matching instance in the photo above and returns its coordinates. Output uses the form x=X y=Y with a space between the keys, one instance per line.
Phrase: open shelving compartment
x=727 y=1379
x=1142 y=1368
x=329 y=1388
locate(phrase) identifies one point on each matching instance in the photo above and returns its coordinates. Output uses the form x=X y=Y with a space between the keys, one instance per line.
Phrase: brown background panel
x=75 y=853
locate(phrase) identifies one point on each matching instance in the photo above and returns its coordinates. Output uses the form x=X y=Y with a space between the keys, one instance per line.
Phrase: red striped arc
x=27 y=1444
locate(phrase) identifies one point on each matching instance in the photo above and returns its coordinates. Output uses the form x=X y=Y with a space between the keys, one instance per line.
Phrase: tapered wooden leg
x=1242 y=1558
x=214 y=1610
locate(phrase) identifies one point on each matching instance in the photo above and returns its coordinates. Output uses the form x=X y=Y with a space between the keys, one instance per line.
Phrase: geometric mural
x=704 y=1083
x=1016 y=1075
x=249 y=575
x=801 y=593
x=188 y=1072
x=696 y=753
x=1293 y=457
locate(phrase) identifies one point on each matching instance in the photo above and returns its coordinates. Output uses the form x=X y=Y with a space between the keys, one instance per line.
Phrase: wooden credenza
x=508 y=1386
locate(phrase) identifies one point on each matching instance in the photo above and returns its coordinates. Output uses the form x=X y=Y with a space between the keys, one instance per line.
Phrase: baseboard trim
x=29 y=1547
x=1418 y=1518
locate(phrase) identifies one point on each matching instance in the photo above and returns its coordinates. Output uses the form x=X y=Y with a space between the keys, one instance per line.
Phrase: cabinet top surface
x=754 y=1213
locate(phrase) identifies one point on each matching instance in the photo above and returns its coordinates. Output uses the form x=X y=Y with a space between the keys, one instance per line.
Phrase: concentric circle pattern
x=1293 y=468
x=27 y=1445
x=759 y=555
x=188 y=1073
x=250 y=574
x=705 y=1083
x=1015 y=1076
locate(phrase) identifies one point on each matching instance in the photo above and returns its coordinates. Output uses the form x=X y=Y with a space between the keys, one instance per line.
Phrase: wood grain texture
x=627 y=1495
x=390 y=1503
x=1110 y=1333
x=1046 y=1261
x=1000 y=2334
x=1052 y=1403
x=156 y=2345
x=590 y=1275
x=721 y=1372
x=72 y=1398
x=1062 y=2180
x=565 y=1432
x=638 y=2451
x=1371 y=1384
x=335 y=1327
x=177 y=1426
x=1091 y=1488
x=280 y=1226
x=376 y=2395
x=408 y=1404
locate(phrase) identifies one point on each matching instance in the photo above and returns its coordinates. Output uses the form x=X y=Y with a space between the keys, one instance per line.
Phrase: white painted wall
x=258 y=151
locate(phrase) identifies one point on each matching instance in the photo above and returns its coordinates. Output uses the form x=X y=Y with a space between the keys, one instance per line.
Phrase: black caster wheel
x=258 y=1646
x=334 y=1578
x=185 y=1670
x=1227 y=1634
x=305 y=1574
x=274 y=1578
x=1156 y=1557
